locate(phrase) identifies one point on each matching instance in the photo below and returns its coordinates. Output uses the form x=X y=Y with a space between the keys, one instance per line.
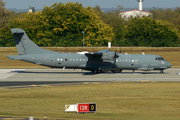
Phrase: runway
x=25 y=77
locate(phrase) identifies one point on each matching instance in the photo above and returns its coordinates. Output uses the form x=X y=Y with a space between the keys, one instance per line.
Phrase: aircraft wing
x=96 y=55
x=102 y=54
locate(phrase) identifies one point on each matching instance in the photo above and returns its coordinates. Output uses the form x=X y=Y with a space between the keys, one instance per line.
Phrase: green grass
x=126 y=101
x=170 y=54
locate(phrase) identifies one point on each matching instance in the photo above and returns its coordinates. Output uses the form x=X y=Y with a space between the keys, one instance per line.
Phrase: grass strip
x=137 y=101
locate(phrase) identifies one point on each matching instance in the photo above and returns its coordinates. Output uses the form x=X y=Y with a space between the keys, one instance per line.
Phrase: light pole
x=83 y=37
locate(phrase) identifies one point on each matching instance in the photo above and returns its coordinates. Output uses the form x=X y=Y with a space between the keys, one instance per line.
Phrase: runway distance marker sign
x=86 y=107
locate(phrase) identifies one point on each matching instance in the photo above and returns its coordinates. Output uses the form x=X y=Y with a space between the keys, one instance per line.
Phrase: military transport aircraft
x=104 y=60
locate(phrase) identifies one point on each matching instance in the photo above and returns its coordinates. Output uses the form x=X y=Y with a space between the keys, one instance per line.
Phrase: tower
x=140 y=4
x=30 y=9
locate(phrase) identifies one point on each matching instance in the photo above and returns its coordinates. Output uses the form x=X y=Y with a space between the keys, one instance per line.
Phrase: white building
x=135 y=13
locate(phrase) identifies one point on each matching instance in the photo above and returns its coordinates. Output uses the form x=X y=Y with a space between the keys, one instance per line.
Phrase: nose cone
x=169 y=65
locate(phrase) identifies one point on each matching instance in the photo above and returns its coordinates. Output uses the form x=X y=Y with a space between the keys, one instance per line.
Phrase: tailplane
x=24 y=45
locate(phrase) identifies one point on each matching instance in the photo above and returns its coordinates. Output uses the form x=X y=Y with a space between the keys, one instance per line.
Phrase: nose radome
x=169 y=65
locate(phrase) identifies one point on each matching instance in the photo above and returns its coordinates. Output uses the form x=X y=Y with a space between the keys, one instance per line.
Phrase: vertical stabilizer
x=24 y=45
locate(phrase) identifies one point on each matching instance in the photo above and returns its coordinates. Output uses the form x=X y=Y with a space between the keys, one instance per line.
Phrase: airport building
x=135 y=13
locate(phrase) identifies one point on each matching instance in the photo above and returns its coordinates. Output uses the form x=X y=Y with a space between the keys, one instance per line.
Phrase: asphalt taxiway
x=23 y=77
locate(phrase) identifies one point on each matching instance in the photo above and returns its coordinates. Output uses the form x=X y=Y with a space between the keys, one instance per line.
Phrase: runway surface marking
x=5 y=73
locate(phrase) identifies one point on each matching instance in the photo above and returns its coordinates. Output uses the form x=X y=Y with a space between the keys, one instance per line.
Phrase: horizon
x=39 y=4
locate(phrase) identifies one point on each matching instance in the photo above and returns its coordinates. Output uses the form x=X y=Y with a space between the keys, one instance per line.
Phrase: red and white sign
x=84 y=107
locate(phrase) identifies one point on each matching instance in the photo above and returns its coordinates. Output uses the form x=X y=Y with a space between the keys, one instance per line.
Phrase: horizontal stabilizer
x=14 y=57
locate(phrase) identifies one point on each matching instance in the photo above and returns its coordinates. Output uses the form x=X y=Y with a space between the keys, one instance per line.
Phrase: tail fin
x=24 y=45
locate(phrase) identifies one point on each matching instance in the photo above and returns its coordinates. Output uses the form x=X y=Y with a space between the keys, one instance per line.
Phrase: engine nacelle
x=108 y=56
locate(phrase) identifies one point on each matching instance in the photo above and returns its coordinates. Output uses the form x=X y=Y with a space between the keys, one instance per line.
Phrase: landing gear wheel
x=100 y=70
x=95 y=71
x=161 y=71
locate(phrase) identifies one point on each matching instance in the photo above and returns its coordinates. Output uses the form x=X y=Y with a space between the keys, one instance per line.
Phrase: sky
x=38 y=4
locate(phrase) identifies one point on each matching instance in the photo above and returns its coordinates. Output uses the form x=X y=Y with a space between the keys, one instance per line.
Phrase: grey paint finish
x=104 y=60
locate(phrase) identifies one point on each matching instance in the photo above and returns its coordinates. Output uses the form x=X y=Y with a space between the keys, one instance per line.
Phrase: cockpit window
x=159 y=58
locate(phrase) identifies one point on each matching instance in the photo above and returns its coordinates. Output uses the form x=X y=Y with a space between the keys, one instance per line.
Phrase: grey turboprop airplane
x=104 y=60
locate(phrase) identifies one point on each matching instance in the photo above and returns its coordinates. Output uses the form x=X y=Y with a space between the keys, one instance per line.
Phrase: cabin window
x=70 y=59
x=76 y=59
x=61 y=59
x=132 y=60
x=73 y=59
x=116 y=60
x=80 y=59
x=58 y=59
x=66 y=59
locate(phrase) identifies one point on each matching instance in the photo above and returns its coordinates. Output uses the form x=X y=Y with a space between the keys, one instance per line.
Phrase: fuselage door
x=51 y=61
x=136 y=61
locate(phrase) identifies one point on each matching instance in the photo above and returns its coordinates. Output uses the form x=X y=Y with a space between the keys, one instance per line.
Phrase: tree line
x=71 y=24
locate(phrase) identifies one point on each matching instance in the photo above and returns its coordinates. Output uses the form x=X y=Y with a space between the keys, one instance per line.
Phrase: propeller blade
x=115 y=56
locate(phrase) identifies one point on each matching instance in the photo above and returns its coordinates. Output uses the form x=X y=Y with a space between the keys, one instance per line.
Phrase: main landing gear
x=98 y=70
x=161 y=71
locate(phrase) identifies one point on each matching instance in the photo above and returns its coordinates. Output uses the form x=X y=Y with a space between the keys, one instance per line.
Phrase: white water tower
x=140 y=4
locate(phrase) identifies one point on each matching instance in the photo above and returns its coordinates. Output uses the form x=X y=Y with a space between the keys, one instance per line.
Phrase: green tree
x=172 y=16
x=146 y=31
x=4 y=14
x=114 y=20
x=62 y=25
x=5 y=34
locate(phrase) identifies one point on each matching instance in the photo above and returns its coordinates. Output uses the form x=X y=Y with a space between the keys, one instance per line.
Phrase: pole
x=83 y=38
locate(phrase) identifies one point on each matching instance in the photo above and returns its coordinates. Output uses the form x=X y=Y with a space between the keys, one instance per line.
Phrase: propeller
x=115 y=56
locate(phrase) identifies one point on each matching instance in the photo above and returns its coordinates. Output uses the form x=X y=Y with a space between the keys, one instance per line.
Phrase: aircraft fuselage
x=81 y=61
x=103 y=60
